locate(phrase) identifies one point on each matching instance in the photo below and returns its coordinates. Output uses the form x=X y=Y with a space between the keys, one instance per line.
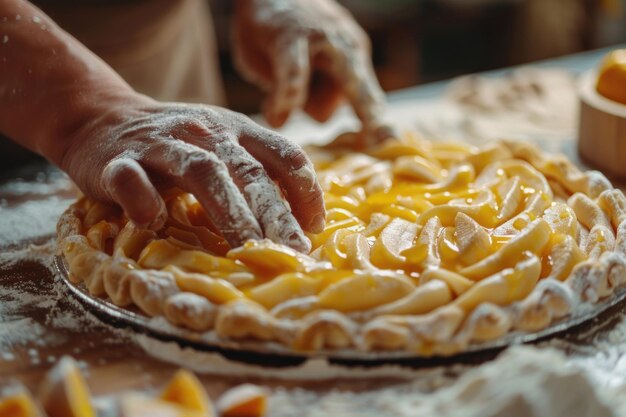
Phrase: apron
x=165 y=49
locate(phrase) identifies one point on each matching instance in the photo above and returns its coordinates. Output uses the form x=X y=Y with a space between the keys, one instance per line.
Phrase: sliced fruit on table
x=137 y=405
x=246 y=400
x=64 y=391
x=16 y=401
x=186 y=390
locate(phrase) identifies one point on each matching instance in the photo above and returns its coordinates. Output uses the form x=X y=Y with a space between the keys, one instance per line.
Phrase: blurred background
x=414 y=41
x=419 y=41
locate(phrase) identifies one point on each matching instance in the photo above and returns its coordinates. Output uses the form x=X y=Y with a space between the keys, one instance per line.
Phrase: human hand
x=58 y=99
x=225 y=160
x=310 y=55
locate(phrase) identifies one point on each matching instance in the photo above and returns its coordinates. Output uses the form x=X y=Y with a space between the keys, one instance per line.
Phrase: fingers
x=205 y=176
x=325 y=95
x=360 y=86
x=290 y=64
x=254 y=66
x=353 y=68
x=287 y=163
x=262 y=195
x=126 y=183
x=234 y=189
x=382 y=132
x=202 y=156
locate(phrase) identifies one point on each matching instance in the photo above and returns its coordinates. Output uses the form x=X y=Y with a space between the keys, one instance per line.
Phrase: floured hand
x=308 y=54
x=227 y=161
x=59 y=99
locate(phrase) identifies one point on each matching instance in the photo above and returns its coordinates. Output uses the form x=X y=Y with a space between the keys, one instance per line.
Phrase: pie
x=429 y=248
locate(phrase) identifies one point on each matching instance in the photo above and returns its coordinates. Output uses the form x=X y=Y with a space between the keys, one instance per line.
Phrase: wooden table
x=35 y=333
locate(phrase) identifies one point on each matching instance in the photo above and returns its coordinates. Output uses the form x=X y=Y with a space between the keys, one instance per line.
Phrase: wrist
x=89 y=113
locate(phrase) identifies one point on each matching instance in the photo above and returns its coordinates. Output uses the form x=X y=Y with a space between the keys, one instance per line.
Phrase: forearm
x=50 y=84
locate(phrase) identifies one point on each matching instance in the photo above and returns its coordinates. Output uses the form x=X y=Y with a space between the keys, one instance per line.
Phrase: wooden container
x=602 y=129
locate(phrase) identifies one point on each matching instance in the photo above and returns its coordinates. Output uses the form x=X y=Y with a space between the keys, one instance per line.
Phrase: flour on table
x=522 y=382
x=16 y=331
x=41 y=202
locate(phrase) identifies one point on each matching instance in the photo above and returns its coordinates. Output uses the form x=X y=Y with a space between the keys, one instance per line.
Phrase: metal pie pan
x=275 y=354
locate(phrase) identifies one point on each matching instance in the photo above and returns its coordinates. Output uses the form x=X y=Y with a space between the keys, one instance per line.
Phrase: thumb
x=127 y=184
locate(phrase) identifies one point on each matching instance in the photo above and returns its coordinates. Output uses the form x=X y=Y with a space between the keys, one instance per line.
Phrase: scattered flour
x=42 y=254
x=605 y=359
x=33 y=219
x=42 y=185
x=522 y=382
x=40 y=202
x=17 y=331
x=20 y=332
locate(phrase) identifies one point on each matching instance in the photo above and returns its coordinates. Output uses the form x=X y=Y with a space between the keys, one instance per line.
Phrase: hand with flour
x=228 y=162
x=311 y=55
x=60 y=100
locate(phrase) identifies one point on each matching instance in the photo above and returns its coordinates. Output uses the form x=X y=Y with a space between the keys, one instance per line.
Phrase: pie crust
x=429 y=247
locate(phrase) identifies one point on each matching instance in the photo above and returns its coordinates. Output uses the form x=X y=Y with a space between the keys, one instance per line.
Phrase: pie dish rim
x=257 y=347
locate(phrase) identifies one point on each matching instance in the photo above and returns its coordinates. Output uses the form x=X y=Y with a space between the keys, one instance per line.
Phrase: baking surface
x=40 y=321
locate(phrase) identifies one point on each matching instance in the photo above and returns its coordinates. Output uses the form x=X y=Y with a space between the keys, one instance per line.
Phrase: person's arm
x=310 y=55
x=50 y=84
x=60 y=100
